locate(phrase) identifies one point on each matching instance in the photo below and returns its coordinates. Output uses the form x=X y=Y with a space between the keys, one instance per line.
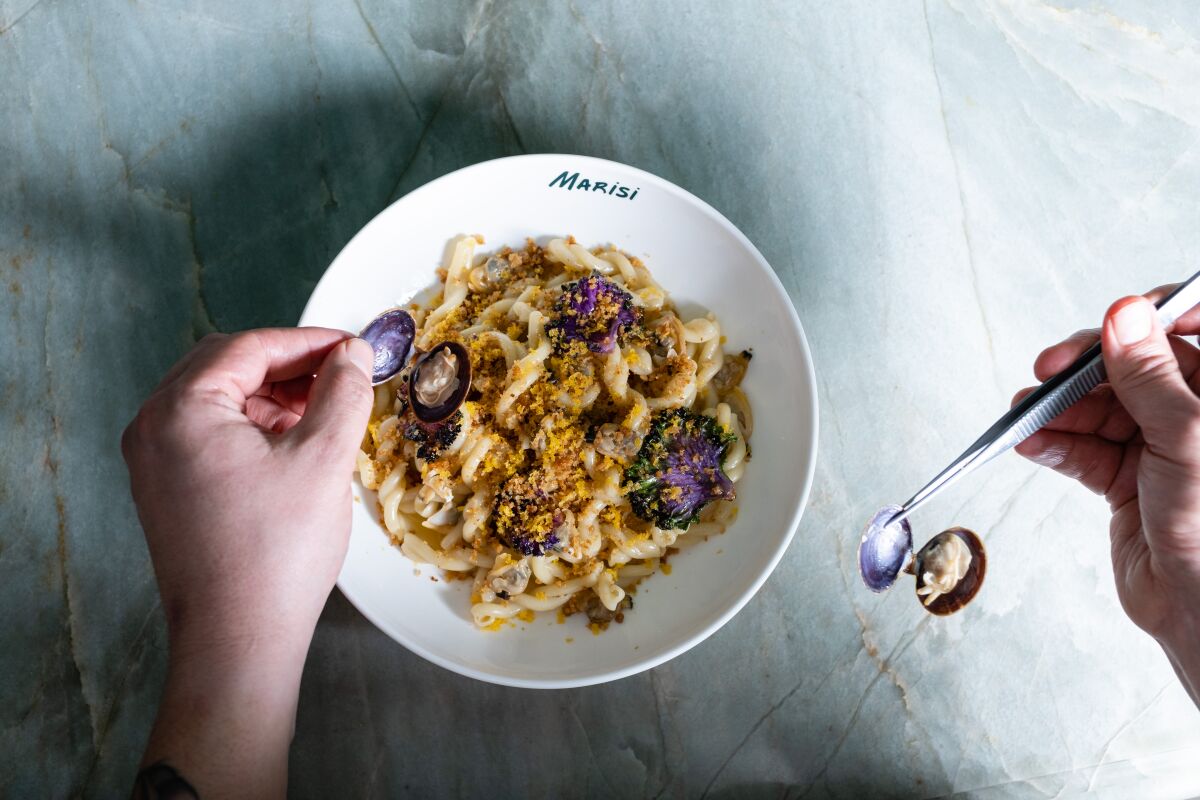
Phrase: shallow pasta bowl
x=705 y=263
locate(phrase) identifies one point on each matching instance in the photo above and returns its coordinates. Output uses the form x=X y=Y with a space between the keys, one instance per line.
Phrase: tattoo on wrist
x=160 y=781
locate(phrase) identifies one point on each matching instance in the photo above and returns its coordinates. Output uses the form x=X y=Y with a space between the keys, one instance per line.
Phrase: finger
x=1097 y=412
x=293 y=394
x=1124 y=486
x=340 y=401
x=1189 y=323
x=206 y=342
x=1088 y=459
x=1145 y=373
x=239 y=365
x=1056 y=358
x=1186 y=354
x=270 y=415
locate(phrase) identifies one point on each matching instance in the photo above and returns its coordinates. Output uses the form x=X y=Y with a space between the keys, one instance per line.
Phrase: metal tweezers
x=1045 y=403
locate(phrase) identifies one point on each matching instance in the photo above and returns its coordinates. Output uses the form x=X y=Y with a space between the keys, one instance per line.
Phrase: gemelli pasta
x=559 y=432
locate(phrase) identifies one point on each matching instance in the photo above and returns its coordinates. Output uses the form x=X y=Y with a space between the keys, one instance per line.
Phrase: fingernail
x=1132 y=322
x=362 y=355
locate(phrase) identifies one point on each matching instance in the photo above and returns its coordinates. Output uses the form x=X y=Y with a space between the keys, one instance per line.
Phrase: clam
x=391 y=336
x=949 y=569
x=439 y=381
x=488 y=275
x=509 y=576
x=884 y=549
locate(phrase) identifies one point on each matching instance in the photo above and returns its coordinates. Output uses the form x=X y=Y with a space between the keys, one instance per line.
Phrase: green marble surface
x=943 y=187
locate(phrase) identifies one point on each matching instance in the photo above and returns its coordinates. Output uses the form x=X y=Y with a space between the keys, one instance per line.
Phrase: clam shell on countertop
x=966 y=589
x=884 y=549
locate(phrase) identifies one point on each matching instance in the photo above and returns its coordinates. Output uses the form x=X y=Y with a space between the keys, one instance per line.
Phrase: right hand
x=1136 y=440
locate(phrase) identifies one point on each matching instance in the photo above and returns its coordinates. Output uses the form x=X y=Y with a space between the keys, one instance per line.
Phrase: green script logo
x=571 y=180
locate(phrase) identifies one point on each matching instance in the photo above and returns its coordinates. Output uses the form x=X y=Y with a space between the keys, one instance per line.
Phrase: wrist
x=256 y=676
x=1181 y=643
x=228 y=641
x=227 y=713
x=259 y=662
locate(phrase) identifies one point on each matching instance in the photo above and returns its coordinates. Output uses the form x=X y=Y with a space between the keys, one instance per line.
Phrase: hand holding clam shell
x=439 y=378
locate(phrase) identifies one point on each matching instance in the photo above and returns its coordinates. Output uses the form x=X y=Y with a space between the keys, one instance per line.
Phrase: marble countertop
x=943 y=187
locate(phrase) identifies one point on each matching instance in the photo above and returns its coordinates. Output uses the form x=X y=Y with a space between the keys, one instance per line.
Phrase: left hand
x=240 y=465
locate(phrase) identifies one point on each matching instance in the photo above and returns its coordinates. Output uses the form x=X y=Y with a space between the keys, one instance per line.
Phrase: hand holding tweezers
x=1045 y=403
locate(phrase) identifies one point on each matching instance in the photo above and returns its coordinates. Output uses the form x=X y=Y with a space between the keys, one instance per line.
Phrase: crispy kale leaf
x=677 y=471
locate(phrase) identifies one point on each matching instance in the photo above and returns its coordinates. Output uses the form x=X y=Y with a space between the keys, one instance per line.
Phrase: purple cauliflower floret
x=592 y=310
x=524 y=515
x=677 y=471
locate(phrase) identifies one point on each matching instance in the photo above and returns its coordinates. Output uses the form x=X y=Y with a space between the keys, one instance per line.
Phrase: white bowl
x=703 y=261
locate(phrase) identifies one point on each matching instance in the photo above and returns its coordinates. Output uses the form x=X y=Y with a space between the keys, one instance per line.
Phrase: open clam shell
x=967 y=586
x=456 y=385
x=390 y=336
x=884 y=549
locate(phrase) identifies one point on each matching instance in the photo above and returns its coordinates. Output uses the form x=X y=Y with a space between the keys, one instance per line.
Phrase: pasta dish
x=557 y=434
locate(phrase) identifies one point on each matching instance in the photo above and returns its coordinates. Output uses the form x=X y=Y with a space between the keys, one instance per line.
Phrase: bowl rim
x=639 y=665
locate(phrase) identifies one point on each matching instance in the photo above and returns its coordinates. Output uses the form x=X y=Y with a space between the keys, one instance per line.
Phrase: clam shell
x=884 y=549
x=442 y=411
x=391 y=336
x=966 y=589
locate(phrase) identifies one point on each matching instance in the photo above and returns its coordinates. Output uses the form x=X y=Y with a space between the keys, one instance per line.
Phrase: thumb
x=1144 y=373
x=339 y=403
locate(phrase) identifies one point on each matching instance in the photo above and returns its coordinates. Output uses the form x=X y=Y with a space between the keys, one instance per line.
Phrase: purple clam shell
x=884 y=549
x=391 y=336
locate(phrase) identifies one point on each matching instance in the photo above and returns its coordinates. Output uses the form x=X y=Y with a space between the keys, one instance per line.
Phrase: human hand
x=1136 y=440
x=240 y=466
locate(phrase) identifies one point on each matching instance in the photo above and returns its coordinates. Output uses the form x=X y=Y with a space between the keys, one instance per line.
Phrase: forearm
x=227 y=717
